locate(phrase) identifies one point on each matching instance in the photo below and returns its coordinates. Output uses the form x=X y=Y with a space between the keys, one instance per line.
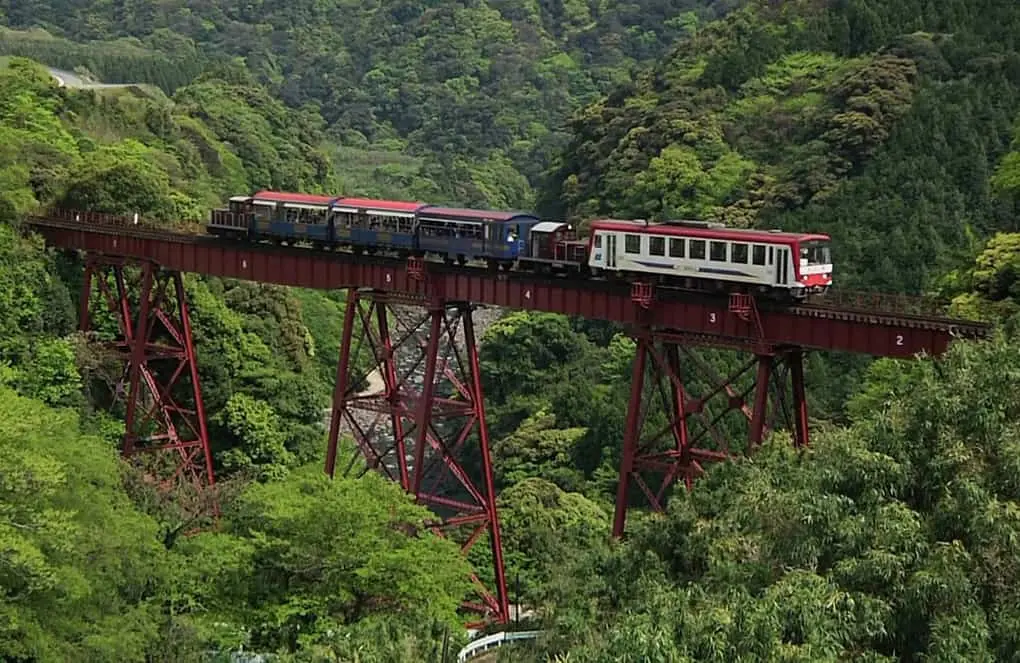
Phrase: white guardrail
x=482 y=645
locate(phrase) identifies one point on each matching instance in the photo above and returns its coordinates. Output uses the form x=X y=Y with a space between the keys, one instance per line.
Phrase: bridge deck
x=706 y=319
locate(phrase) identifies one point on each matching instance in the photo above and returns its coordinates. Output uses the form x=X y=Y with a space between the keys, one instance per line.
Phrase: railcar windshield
x=815 y=253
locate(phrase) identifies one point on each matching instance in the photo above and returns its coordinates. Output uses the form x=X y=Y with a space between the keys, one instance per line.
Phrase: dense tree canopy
x=891 y=539
x=893 y=126
x=800 y=115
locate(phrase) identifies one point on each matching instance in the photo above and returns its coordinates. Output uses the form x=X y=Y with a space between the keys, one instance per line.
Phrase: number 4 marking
x=527 y=294
x=899 y=339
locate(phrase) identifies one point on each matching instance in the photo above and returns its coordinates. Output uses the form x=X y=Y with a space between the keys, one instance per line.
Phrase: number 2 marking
x=711 y=318
x=899 y=339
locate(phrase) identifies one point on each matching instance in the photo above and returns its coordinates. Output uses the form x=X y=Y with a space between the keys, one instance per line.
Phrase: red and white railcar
x=695 y=253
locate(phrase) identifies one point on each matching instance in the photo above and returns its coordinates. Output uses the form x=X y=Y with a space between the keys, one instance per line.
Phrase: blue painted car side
x=362 y=229
x=451 y=238
x=464 y=237
x=273 y=222
x=514 y=237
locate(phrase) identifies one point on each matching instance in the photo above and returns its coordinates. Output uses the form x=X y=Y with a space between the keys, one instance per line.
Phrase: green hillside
x=879 y=123
x=479 y=91
x=893 y=126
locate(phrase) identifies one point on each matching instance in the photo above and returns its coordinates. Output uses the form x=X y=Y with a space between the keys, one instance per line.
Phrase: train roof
x=377 y=204
x=704 y=230
x=299 y=198
x=463 y=214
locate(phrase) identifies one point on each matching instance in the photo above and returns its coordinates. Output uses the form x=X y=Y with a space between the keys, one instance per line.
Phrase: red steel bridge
x=435 y=424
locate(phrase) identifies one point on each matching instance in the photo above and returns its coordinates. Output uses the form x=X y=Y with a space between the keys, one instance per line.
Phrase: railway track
x=907 y=311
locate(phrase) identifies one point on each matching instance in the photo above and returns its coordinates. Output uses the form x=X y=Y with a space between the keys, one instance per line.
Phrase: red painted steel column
x=630 y=437
x=137 y=343
x=446 y=412
x=761 y=402
x=678 y=422
x=389 y=374
x=495 y=539
x=189 y=349
x=340 y=386
x=423 y=417
x=795 y=360
x=161 y=414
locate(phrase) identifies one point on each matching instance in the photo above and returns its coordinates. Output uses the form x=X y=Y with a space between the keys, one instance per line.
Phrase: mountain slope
x=481 y=89
x=828 y=117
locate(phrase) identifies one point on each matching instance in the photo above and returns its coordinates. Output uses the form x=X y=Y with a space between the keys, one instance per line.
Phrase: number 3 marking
x=899 y=339
x=711 y=318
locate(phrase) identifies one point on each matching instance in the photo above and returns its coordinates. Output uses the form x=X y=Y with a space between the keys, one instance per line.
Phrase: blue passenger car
x=370 y=225
x=467 y=234
x=291 y=216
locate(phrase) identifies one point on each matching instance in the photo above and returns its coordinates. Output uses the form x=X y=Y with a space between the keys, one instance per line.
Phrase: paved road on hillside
x=73 y=80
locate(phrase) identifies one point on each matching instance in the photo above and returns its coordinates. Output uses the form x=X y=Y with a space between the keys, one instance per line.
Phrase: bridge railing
x=879 y=302
x=92 y=218
x=482 y=645
x=106 y=220
x=227 y=219
x=844 y=300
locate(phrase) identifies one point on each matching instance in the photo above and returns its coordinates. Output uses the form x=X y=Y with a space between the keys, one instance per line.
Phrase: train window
x=697 y=249
x=598 y=241
x=739 y=253
x=632 y=244
x=657 y=246
x=772 y=252
x=717 y=251
x=816 y=253
x=676 y=248
x=758 y=254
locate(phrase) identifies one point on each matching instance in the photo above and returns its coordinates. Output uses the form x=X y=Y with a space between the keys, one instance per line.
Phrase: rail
x=845 y=301
x=482 y=645
x=881 y=302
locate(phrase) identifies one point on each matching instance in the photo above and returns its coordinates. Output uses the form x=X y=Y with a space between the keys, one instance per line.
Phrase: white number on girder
x=711 y=318
x=899 y=339
x=244 y=264
x=114 y=242
x=527 y=294
x=388 y=277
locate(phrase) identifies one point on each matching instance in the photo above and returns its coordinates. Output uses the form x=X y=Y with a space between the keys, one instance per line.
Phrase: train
x=683 y=254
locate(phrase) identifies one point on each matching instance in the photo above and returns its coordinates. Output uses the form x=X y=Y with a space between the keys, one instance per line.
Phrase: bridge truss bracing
x=682 y=414
x=141 y=312
x=421 y=421
x=409 y=334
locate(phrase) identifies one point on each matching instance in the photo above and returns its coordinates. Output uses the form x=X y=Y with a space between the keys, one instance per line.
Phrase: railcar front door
x=611 y=251
x=782 y=268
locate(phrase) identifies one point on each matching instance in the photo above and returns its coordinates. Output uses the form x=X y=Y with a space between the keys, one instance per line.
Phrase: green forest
x=894 y=127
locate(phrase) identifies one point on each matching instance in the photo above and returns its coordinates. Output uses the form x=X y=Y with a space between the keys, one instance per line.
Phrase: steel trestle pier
x=408 y=332
x=160 y=391
x=429 y=426
x=693 y=430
